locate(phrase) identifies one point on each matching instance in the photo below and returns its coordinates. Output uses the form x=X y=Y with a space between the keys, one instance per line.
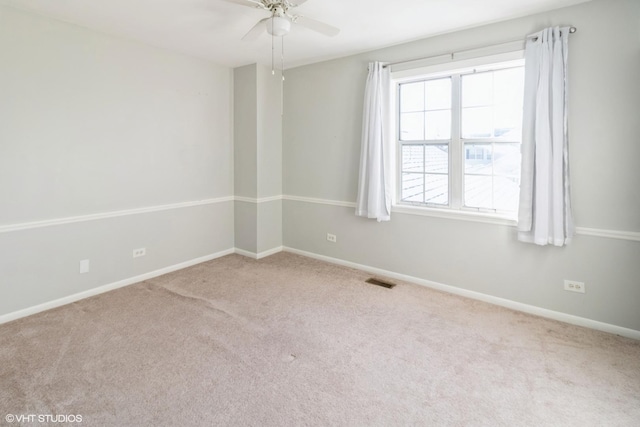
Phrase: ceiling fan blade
x=256 y=31
x=250 y=3
x=318 y=26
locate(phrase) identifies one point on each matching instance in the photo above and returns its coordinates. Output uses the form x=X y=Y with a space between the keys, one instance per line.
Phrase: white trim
x=109 y=287
x=270 y=199
x=257 y=200
x=319 y=201
x=245 y=199
x=407 y=210
x=469 y=216
x=611 y=234
x=555 y=315
x=260 y=255
x=113 y=214
x=421 y=211
x=454 y=72
x=526 y=308
x=444 y=65
x=457 y=214
x=248 y=254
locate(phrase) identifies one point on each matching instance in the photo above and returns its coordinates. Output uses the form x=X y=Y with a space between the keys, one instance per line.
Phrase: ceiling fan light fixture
x=278 y=26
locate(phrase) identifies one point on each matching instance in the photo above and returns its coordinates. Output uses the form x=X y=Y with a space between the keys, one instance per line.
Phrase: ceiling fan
x=279 y=23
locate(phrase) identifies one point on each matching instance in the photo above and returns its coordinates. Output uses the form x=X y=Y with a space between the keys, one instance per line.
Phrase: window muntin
x=459 y=139
x=425 y=169
x=491 y=176
x=425 y=110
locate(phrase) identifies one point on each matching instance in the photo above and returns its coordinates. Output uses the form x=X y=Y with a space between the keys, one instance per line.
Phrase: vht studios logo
x=42 y=418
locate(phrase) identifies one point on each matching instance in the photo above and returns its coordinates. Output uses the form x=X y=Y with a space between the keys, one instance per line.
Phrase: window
x=458 y=137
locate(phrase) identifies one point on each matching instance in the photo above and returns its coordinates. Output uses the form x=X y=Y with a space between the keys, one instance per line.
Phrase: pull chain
x=282 y=74
x=273 y=70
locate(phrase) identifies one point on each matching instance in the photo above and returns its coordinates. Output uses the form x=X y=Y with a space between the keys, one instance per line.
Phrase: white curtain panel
x=544 y=215
x=374 y=185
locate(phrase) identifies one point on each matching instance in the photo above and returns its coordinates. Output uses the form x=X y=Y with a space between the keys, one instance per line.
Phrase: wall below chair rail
x=42 y=264
x=482 y=258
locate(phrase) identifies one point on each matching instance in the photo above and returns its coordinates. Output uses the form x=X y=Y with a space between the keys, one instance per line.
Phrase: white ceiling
x=212 y=29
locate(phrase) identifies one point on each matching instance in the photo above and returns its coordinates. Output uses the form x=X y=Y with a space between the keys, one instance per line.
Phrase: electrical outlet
x=84 y=266
x=139 y=252
x=332 y=238
x=573 y=286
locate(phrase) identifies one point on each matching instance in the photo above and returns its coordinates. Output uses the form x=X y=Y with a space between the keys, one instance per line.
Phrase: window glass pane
x=438 y=124
x=477 y=89
x=477 y=122
x=412 y=97
x=413 y=187
x=508 y=95
x=508 y=122
x=437 y=158
x=438 y=94
x=437 y=189
x=413 y=158
x=506 y=161
x=478 y=159
x=501 y=93
x=478 y=191
x=492 y=176
x=509 y=86
x=412 y=126
x=506 y=193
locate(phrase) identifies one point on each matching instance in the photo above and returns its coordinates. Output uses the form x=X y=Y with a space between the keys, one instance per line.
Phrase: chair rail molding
x=410 y=210
x=403 y=210
x=112 y=214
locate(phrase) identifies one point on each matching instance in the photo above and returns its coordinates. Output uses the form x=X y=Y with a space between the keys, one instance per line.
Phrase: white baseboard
x=526 y=308
x=543 y=312
x=260 y=255
x=109 y=287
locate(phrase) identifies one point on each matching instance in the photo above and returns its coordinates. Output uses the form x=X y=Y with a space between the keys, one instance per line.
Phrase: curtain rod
x=571 y=30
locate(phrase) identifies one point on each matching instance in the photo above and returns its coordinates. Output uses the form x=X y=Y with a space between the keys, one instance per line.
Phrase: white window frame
x=454 y=69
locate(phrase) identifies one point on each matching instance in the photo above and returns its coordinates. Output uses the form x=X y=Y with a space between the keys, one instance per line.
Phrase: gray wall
x=269 y=229
x=258 y=159
x=321 y=146
x=245 y=131
x=92 y=124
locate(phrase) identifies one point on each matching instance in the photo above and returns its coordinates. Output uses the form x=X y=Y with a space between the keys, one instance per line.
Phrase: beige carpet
x=292 y=341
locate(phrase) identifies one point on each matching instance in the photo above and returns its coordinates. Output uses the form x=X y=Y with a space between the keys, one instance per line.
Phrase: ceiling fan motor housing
x=279 y=23
x=278 y=26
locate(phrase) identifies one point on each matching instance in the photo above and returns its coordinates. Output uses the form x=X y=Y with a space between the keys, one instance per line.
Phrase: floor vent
x=382 y=283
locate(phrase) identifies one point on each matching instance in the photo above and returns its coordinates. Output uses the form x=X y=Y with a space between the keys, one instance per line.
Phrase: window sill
x=483 y=217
